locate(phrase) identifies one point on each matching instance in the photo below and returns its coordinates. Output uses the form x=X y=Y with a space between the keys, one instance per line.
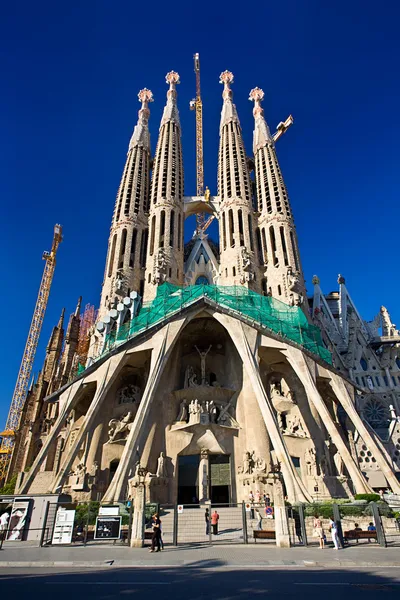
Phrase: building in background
x=208 y=365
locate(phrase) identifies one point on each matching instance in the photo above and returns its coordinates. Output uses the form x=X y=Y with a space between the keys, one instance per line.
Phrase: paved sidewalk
x=203 y=556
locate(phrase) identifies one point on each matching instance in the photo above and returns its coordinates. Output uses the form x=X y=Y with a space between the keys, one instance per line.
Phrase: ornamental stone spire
x=165 y=249
x=276 y=234
x=238 y=260
x=127 y=243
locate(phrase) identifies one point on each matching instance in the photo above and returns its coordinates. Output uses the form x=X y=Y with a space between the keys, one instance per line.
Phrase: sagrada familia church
x=211 y=370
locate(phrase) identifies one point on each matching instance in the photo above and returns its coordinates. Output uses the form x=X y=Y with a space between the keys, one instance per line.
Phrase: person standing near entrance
x=155 y=540
x=334 y=533
x=4 y=518
x=214 y=522
x=319 y=532
x=207 y=519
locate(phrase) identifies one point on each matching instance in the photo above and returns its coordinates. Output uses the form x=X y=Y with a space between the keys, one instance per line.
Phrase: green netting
x=81 y=368
x=287 y=321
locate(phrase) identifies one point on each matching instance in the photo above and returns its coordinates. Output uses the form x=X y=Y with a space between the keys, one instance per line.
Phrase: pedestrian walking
x=155 y=540
x=214 y=522
x=4 y=518
x=334 y=533
x=207 y=519
x=161 y=539
x=319 y=532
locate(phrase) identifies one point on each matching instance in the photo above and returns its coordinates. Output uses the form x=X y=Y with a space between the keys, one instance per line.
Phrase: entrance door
x=220 y=478
x=188 y=479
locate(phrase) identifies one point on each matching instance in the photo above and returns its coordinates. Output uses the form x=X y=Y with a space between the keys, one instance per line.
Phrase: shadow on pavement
x=205 y=579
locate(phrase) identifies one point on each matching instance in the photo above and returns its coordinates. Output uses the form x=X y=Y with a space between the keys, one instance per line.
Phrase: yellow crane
x=197 y=105
x=21 y=387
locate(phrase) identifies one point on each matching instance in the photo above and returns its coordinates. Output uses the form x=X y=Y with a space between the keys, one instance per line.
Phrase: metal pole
x=46 y=513
x=244 y=520
x=87 y=524
x=338 y=521
x=175 y=531
x=130 y=522
x=380 y=534
x=303 y=525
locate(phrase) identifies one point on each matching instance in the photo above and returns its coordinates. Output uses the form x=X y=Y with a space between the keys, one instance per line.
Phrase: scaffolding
x=287 y=322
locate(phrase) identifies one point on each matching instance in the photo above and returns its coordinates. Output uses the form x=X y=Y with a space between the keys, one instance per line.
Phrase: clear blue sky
x=70 y=76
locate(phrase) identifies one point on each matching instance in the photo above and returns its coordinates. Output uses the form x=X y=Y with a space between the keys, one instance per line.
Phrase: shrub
x=9 y=488
x=368 y=497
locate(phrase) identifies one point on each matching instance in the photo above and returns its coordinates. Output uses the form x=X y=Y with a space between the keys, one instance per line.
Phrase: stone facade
x=207 y=404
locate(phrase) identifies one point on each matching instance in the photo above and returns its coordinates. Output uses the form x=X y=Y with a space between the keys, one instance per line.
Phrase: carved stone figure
x=119 y=428
x=294 y=426
x=78 y=475
x=247 y=463
x=245 y=259
x=183 y=412
x=214 y=412
x=160 y=267
x=311 y=463
x=190 y=378
x=260 y=465
x=129 y=393
x=203 y=355
x=339 y=464
x=161 y=466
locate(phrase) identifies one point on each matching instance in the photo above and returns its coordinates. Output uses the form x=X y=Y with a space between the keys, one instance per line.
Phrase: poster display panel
x=18 y=520
x=108 y=528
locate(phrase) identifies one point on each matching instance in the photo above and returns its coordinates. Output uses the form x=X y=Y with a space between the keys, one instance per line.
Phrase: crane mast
x=25 y=370
x=197 y=105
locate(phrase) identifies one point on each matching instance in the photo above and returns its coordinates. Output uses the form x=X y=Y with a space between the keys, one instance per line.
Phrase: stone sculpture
x=183 y=415
x=161 y=466
x=129 y=393
x=119 y=428
x=203 y=354
x=311 y=462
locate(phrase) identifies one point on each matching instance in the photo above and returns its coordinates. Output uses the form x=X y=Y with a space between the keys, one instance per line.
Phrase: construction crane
x=197 y=105
x=21 y=387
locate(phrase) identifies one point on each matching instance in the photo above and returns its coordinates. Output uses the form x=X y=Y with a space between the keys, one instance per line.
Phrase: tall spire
x=276 y=233
x=228 y=113
x=127 y=243
x=78 y=307
x=141 y=135
x=165 y=252
x=239 y=263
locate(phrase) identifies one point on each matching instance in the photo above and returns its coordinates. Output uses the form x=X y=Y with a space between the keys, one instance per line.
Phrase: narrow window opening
x=251 y=233
x=171 y=228
x=223 y=231
x=279 y=290
x=112 y=255
x=240 y=219
x=273 y=246
x=283 y=242
x=234 y=271
x=133 y=248
x=152 y=235
x=259 y=246
x=179 y=232
x=231 y=228
x=162 y=230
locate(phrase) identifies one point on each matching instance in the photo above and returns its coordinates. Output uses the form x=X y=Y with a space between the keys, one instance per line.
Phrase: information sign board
x=108 y=528
x=64 y=526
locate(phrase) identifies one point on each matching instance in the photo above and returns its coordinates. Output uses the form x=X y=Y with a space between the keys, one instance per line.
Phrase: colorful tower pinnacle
x=239 y=262
x=276 y=235
x=165 y=248
x=129 y=230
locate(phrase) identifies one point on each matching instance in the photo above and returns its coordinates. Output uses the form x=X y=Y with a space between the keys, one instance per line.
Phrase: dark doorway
x=220 y=478
x=113 y=468
x=188 y=475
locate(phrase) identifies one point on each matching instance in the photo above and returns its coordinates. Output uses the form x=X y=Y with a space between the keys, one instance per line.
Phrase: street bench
x=260 y=534
x=359 y=535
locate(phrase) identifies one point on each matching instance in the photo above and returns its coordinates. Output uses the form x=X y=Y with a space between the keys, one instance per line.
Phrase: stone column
x=281 y=520
x=204 y=479
x=138 y=483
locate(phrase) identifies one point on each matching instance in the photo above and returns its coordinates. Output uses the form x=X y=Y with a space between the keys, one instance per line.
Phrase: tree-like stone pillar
x=204 y=469
x=138 y=483
x=281 y=520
